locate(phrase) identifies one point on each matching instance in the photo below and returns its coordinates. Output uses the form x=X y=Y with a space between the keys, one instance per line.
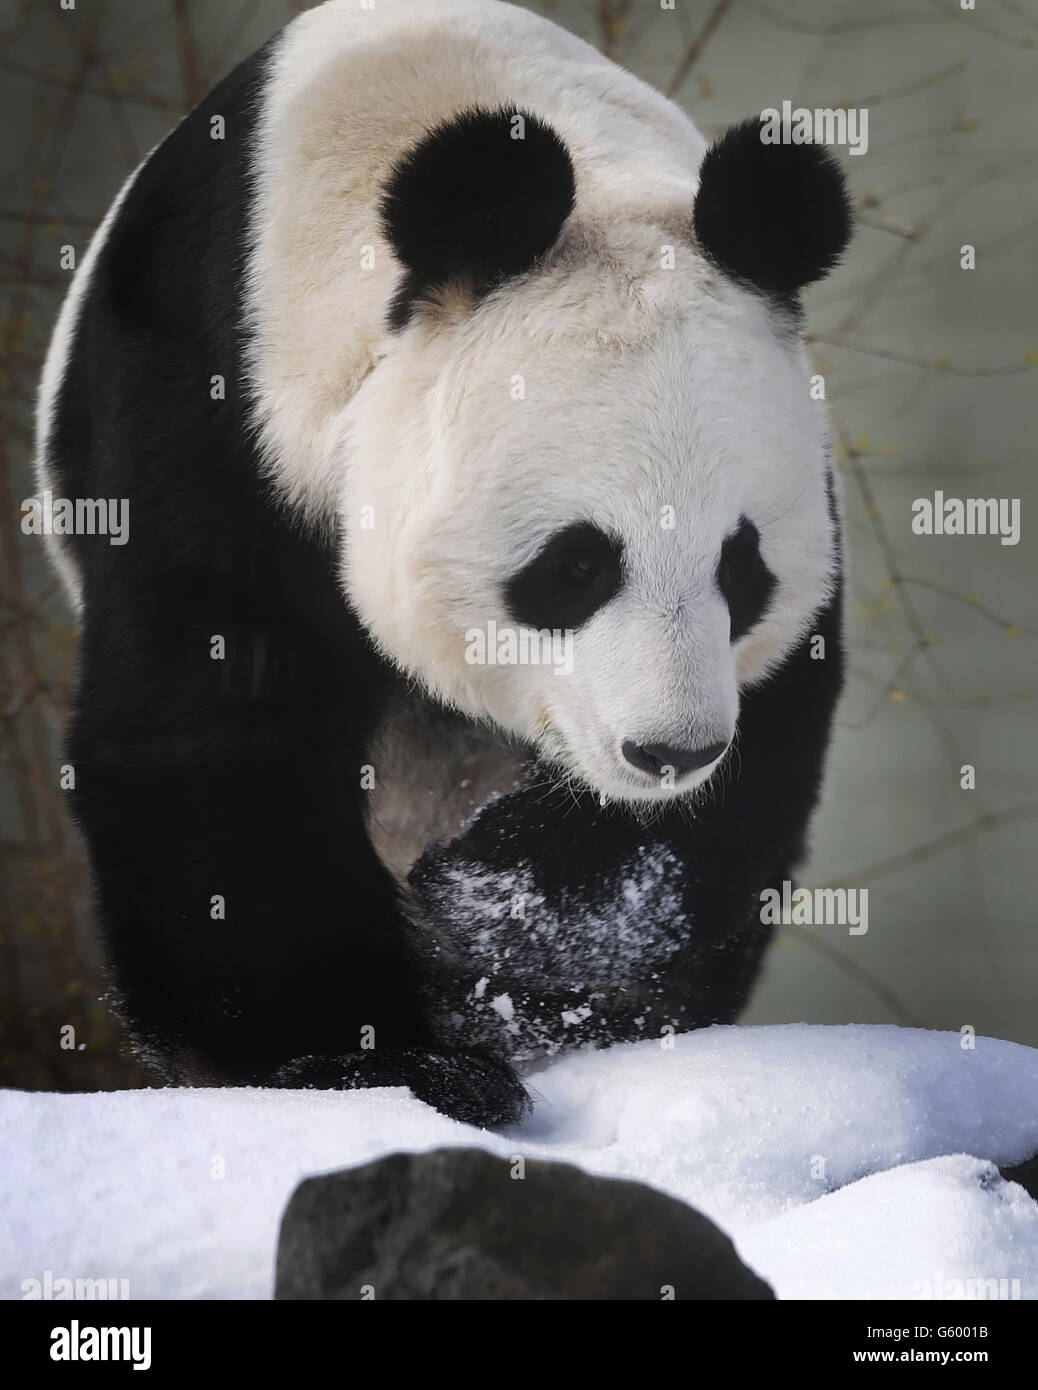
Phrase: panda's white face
x=633 y=461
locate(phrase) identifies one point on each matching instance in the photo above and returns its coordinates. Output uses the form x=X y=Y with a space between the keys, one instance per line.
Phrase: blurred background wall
x=929 y=374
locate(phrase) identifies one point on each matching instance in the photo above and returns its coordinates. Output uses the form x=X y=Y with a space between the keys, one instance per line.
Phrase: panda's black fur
x=240 y=778
x=453 y=207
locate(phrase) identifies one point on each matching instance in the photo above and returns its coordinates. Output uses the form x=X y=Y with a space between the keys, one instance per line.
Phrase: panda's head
x=603 y=429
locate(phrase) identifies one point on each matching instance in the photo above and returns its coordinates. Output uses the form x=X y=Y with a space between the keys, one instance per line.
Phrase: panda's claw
x=471 y=1086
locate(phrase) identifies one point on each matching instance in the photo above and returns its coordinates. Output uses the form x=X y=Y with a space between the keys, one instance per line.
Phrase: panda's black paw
x=471 y=1086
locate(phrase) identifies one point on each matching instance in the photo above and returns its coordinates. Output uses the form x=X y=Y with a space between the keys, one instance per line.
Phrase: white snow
x=503 y=1005
x=852 y=1162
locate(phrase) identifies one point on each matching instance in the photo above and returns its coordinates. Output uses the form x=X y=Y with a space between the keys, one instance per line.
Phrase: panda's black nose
x=654 y=757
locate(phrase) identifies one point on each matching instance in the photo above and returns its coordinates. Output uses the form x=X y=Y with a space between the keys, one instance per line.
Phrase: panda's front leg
x=252 y=934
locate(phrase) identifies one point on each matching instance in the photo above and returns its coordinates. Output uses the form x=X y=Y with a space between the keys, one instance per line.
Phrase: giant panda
x=430 y=321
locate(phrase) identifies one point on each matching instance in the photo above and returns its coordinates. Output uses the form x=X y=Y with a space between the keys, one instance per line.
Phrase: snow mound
x=850 y=1162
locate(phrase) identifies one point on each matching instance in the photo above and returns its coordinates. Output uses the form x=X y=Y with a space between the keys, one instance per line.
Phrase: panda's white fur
x=350 y=88
x=55 y=366
x=692 y=392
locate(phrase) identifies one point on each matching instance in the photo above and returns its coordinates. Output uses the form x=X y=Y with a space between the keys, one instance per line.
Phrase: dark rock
x=456 y=1224
x=1026 y=1174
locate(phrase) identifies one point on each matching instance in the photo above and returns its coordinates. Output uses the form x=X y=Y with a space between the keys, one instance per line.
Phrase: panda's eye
x=581 y=568
x=575 y=572
x=740 y=550
x=744 y=579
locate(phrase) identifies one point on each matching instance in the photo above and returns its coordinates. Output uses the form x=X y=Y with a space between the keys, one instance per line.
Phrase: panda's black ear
x=775 y=215
x=480 y=198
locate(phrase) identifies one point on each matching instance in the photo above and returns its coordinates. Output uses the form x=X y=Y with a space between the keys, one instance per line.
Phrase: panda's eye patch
x=744 y=579
x=575 y=572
